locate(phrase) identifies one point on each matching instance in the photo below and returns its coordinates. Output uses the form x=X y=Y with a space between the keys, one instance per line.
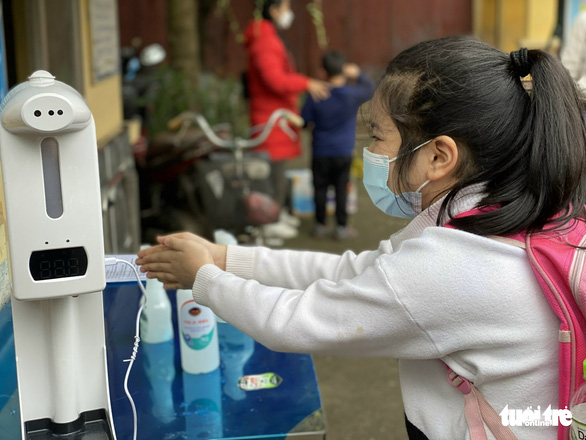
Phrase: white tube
x=63 y=330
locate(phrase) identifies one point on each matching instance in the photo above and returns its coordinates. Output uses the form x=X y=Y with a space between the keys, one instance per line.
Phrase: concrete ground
x=361 y=397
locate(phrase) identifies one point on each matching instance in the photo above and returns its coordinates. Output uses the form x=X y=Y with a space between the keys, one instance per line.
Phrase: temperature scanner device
x=48 y=154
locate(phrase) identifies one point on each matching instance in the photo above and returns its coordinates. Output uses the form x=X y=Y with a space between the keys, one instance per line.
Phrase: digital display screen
x=58 y=263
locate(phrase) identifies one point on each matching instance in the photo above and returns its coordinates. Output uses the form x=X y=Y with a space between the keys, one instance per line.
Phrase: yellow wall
x=511 y=24
x=541 y=18
x=105 y=97
x=484 y=20
x=541 y=21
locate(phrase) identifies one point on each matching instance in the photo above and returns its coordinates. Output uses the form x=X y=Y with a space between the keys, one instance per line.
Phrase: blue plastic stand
x=172 y=404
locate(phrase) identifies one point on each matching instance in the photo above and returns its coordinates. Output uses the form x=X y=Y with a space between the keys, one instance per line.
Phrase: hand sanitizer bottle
x=578 y=410
x=198 y=334
x=156 y=325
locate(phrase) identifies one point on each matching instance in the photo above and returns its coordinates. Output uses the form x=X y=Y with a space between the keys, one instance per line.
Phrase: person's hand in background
x=319 y=90
x=351 y=70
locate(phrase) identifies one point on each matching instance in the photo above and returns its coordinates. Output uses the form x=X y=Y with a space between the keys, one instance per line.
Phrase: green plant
x=168 y=97
x=219 y=100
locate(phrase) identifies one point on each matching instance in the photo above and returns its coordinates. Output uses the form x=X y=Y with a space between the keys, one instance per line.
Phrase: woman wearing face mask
x=453 y=130
x=273 y=83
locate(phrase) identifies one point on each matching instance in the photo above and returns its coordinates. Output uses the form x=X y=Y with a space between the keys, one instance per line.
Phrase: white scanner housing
x=48 y=152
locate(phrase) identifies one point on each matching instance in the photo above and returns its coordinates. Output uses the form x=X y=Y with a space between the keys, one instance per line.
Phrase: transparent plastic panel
x=52 y=177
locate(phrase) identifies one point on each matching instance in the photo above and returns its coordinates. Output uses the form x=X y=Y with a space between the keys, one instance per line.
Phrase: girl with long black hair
x=454 y=128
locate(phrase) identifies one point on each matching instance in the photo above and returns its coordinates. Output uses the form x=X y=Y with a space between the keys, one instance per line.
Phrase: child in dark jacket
x=334 y=134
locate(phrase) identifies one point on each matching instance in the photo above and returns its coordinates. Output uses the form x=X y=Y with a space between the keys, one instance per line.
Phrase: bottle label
x=578 y=431
x=260 y=381
x=579 y=422
x=197 y=325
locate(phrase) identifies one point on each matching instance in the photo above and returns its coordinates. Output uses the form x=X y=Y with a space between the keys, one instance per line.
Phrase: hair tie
x=520 y=62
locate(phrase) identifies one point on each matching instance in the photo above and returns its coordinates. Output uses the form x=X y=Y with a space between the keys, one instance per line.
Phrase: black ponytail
x=524 y=140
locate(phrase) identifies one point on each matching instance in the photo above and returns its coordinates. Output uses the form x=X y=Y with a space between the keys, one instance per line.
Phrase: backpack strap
x=478 y=411
x=550 y=256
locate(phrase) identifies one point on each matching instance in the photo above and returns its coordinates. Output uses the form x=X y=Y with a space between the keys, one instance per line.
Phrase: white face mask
x=285 y=19
x=376 y=176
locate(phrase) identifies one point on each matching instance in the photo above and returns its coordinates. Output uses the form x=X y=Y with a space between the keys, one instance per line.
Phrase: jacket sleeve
x=361 y=316
x=435 y=295
x=363 y=90
x=268 y=62
x=298 y=269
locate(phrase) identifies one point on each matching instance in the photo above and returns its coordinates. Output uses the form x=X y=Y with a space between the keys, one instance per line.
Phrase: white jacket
x=427 y=293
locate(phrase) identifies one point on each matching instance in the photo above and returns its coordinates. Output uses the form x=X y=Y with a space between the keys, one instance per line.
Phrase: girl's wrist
x=220 y=261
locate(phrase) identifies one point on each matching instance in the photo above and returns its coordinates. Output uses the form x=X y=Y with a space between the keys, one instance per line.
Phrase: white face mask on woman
x=285 y=19
x=376 y=176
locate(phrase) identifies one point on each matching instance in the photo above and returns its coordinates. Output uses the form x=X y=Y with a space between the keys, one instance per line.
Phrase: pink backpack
x=560 y=268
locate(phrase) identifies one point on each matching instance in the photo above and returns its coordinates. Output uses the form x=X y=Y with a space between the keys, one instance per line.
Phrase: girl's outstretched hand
x=217 y=251
x=177 y=259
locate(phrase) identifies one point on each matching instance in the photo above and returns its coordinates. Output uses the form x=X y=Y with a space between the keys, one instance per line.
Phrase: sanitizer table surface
x=255 y=394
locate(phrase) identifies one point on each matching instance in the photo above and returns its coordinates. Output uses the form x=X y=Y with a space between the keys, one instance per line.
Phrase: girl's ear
x=443 y=158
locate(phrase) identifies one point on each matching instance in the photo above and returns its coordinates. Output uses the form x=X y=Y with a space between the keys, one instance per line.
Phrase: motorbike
x=201 y=178
x=139 y=77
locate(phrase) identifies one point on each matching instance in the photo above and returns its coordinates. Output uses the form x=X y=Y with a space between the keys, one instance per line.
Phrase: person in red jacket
x=273 y=83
